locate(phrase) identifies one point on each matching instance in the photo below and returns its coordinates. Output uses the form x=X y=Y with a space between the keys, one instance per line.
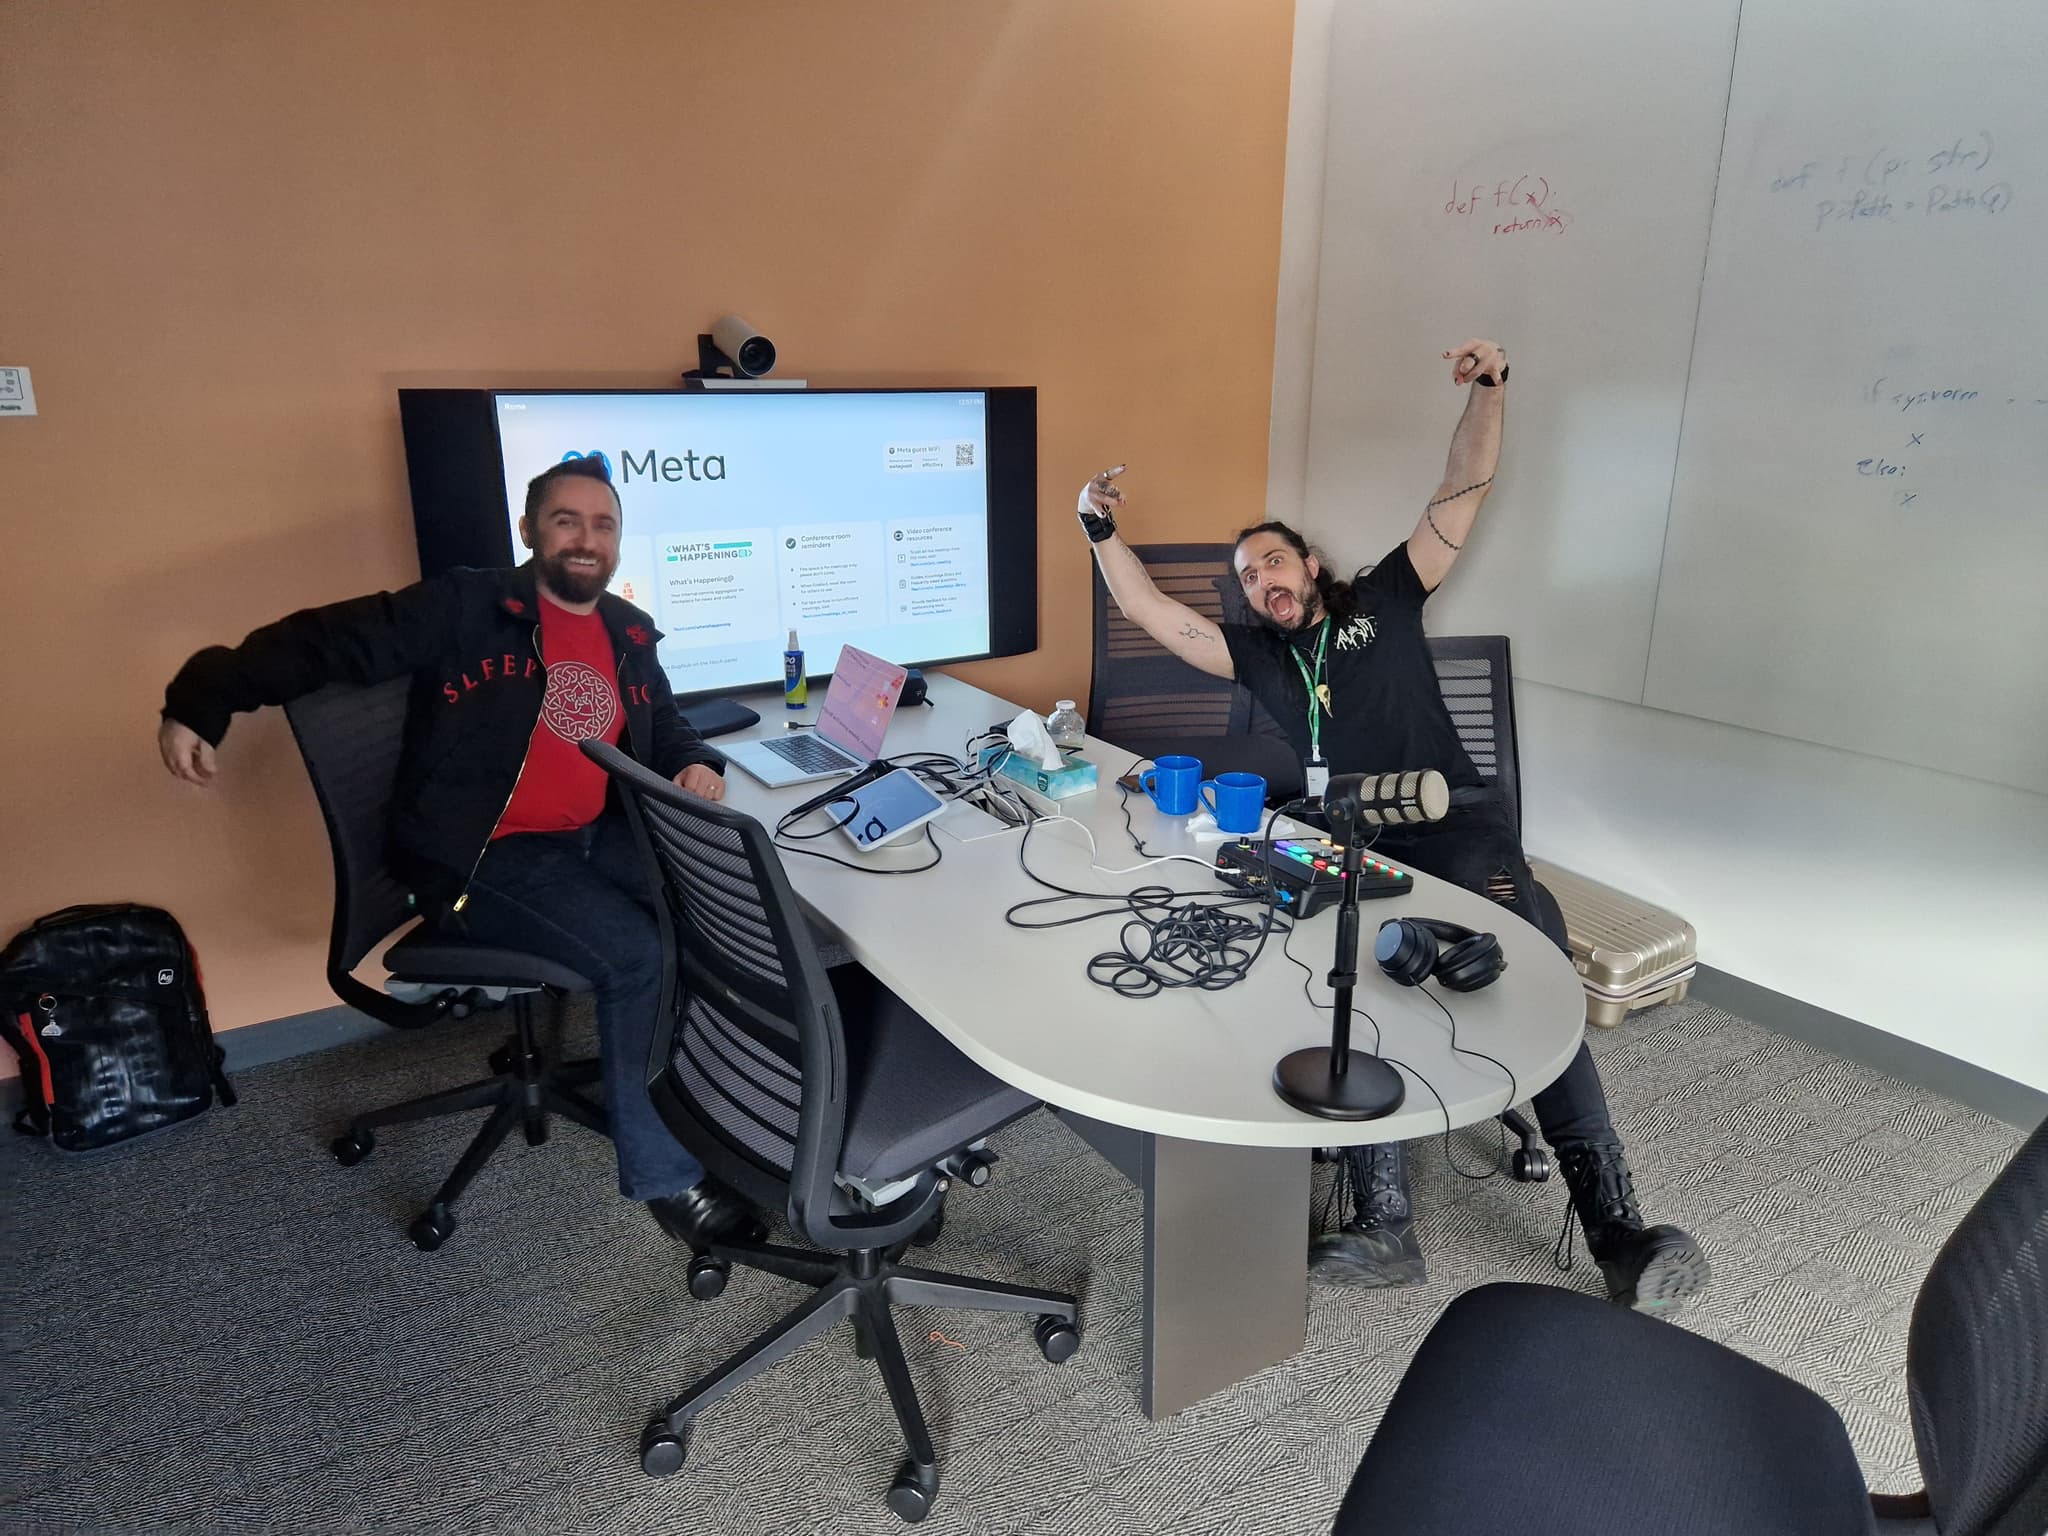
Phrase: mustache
x=576 y=581
x=1306 y=603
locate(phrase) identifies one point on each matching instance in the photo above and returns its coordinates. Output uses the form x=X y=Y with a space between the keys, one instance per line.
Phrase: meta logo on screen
x=653 y=465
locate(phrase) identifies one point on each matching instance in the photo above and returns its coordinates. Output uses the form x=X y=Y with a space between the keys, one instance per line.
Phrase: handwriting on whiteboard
x=1891 y=186
x=1524 y=204
x=1896 y=464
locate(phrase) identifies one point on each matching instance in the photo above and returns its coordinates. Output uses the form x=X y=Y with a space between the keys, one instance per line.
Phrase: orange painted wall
x=234 y=228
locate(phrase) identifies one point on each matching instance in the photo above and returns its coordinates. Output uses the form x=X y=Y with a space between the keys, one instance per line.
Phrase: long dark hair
x=1335 y=595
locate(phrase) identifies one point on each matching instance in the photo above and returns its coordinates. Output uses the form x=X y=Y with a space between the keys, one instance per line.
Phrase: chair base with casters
x=818 y=1090
x=862 y=1286
x=1531 y=1163
x=525 y=1088
x=891 y=1136
x=351 y=738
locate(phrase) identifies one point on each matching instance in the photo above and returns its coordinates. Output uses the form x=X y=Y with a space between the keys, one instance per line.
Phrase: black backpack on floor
x=103 y=1005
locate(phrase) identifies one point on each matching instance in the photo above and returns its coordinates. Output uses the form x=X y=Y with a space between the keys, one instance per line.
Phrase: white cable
x=1094 y=854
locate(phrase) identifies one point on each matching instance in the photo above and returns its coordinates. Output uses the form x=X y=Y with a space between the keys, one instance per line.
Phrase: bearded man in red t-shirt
x=501 y=824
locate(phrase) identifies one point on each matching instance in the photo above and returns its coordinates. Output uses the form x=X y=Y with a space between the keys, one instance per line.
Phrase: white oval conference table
x=1176 y=1089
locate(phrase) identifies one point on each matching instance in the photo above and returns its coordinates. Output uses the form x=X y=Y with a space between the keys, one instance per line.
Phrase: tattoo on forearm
x=1476 y=486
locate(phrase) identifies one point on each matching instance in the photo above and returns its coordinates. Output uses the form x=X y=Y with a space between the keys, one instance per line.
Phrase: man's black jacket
x=471 y=641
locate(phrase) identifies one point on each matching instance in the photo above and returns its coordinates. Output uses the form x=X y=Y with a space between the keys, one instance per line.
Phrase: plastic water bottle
x=1066 y=727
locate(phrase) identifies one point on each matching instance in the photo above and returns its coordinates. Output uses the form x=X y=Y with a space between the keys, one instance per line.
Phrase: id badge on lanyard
x=1315 y=772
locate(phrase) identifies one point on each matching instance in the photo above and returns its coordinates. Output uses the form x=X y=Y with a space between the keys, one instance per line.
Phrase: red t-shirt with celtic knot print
x=560 y=789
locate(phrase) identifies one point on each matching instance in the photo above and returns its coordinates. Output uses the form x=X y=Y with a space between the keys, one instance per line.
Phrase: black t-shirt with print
x=1386 y=712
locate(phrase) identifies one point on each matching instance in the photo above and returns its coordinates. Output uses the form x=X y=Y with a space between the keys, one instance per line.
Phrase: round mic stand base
x=1335 y=1081
x=1367 y=1089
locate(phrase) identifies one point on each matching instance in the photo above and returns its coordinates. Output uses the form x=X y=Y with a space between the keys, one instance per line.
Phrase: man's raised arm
x=1194 y=639
x=364 y=640
x=1468 y=473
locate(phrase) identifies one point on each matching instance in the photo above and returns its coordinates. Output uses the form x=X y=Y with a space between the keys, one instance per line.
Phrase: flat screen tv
x=902 y=521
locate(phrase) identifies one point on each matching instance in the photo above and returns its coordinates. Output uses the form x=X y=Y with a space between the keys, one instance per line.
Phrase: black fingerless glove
x=1097 y=525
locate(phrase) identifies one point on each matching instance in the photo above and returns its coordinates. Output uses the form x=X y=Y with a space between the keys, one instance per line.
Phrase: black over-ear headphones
x=1408 y=951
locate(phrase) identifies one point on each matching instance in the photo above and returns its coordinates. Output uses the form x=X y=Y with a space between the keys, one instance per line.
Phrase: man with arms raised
x=500 y=822
x=1344 y=668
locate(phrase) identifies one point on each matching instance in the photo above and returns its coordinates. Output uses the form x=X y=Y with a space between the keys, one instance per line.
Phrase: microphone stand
x=1335 y=1083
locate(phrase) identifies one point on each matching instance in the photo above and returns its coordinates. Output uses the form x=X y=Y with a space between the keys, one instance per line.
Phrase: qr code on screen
x=963 y=455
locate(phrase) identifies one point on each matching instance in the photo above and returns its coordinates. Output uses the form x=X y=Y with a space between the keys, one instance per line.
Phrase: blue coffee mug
x=1237 y=800
x=1174 y=783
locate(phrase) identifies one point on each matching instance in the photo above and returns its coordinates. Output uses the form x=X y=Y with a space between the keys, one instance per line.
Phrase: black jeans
x=581 y=899
x=1475 y=847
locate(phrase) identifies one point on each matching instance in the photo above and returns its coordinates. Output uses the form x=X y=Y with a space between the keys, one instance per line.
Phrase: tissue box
x=1077 y=777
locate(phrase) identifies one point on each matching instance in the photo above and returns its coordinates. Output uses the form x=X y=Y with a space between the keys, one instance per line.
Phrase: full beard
x=1307 y=609
x=571 y=584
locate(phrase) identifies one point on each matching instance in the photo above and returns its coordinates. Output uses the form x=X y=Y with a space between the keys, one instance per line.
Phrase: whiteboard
x=1858 y=545
x=1577 y=245
x=1704 y=502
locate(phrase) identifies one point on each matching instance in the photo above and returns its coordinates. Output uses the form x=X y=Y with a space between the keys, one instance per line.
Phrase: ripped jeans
x=1475 y=847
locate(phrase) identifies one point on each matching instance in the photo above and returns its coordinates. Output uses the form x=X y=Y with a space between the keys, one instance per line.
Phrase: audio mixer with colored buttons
x=1305 y=873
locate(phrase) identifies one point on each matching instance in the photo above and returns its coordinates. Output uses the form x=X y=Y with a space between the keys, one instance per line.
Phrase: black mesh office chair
x=1478 y=686
x=817 y=1093
x=1672 y=1433
x=351 y=738
x=1147 y=700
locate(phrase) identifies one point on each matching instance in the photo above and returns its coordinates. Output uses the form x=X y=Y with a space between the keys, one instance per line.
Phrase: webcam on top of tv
x=734 y=355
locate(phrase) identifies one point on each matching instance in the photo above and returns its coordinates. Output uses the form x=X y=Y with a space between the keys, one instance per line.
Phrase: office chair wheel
x=708 y=1275
x=351 y=1147
x=914 y=1492
x=434 y=1227
x=929 y=1232
x=1532 y=1165
x=1057 y=1338
x=663 y=1450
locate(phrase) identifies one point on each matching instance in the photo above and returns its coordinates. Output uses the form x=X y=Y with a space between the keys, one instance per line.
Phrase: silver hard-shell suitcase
x=1629 y=953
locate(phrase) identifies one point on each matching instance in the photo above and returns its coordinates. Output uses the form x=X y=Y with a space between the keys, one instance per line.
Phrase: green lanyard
x=1313 y=682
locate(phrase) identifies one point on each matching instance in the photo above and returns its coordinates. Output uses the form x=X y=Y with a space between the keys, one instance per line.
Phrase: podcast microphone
x=1388 y=799
x=1335 y=1081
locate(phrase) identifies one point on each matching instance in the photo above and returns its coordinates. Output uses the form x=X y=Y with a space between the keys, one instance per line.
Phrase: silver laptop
x=859 y=703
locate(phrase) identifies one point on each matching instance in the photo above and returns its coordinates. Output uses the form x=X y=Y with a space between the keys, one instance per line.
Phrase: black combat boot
x=706 y=1213
x=1377 y=1245
x=1647 y=1268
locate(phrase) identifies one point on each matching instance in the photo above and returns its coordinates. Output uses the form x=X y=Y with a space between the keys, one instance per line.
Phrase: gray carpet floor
x=223 y=1330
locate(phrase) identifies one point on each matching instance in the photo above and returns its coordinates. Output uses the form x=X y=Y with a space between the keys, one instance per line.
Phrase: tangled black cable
x=1197 y=945
x=950 y=778
x=1124 y=804
x=947 y=777
x=1162 y=946
x=788 y=840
